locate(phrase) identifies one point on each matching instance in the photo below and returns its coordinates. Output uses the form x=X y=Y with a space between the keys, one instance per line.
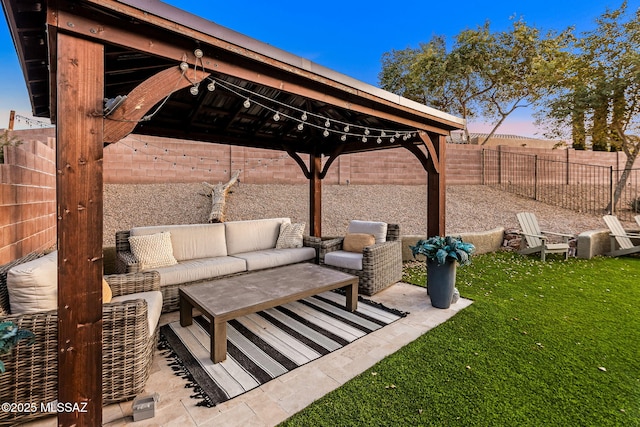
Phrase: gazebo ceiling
x=143 y=38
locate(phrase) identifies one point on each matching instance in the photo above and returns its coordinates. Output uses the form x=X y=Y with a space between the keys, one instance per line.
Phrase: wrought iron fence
x=576 y=186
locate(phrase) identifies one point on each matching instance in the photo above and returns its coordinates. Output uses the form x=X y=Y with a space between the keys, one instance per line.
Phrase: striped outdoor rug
x=265 y=345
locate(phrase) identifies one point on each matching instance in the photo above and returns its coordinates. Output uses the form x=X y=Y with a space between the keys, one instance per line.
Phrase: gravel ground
x=469 y=208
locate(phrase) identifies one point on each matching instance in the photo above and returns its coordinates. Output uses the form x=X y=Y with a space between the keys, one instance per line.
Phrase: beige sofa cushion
x=378 y=229
x=252 y=235
x=152 y=250
x=199 y=269
x=154 y=306
x=270 y=258
x=33 y=286
x=190 y=241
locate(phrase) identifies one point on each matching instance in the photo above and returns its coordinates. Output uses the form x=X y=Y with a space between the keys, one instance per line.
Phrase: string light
x=187 y=163
x=32 y=122
x=360 y=131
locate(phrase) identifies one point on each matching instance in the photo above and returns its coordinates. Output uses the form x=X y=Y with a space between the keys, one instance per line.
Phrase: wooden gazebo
x=101 y=69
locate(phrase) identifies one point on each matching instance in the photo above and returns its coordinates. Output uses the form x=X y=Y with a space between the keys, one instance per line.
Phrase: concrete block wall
x=27 y=199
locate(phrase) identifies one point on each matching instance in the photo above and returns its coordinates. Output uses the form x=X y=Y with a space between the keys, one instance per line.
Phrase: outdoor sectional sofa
x=198 y=252
x=130 y=334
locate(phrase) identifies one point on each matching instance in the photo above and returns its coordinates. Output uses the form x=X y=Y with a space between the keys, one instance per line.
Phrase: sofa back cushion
x=253 y=235
x=378 y=229
x=33 y=286
x=191 y=241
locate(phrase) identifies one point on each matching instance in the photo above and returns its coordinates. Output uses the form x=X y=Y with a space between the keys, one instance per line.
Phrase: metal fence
x=579 y=187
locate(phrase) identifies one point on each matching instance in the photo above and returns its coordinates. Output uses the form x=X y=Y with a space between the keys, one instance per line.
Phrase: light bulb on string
x=300 y=126
x=343 y=138
x=325 y=133
x=304 y=117
x=194 y=90
x=379 y=140
x=211 y=86
x=383 y=134
x=246 y=103
x=366 y=131
x=327 y=123
x=184 y=66
x=393 y=139
x=364 y=139
x=276 y=117
x=346 y=129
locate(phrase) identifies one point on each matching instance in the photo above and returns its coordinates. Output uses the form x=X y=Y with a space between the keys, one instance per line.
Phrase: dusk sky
x=350 y=36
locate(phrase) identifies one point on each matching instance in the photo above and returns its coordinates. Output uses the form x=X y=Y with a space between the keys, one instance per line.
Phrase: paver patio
x=280 y=398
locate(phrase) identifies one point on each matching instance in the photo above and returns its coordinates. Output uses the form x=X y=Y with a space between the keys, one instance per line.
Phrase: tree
x=600 y=92
x=485 y=74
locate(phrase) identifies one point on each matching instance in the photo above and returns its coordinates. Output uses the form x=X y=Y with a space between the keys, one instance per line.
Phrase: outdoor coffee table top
x=225 y=298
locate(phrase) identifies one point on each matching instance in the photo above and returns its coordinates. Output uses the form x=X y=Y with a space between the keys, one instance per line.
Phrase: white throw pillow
x=290 y=235
x=153 y=250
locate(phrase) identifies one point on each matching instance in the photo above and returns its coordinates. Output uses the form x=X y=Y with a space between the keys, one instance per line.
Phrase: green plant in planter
x=440 y=249
x=9 y=337
x=443 y=254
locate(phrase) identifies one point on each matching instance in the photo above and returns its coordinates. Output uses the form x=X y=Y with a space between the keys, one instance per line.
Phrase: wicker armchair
x=31 y=370
x=381 y=262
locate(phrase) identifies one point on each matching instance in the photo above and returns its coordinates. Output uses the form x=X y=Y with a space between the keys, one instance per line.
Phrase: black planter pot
x=441 y=282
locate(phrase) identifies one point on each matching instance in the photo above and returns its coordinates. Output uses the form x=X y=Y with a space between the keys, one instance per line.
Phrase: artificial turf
x=543 y=344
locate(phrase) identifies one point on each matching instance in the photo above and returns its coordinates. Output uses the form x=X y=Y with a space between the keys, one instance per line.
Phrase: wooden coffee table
x=226 y=299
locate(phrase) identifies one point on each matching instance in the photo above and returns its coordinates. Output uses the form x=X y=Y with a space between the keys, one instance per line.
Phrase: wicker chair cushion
x=378 y=229
x=154 y=306
x=191 y=241
x=344 y=259
x=33 y=286
x=356 y=242
x=290 y=235
x=252 y=235
x=153 y=250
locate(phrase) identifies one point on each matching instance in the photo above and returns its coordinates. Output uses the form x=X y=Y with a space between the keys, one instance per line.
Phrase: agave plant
x=440 y=249
x=9 y=337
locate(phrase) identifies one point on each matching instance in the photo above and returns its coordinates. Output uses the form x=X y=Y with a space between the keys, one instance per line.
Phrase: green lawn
x=543 y=344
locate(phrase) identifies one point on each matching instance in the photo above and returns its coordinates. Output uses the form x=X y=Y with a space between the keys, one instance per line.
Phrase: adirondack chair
x=536 y=240
x=621 y=243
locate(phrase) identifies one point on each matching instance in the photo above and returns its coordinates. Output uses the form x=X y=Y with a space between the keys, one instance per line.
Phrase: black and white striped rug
x=265 y=345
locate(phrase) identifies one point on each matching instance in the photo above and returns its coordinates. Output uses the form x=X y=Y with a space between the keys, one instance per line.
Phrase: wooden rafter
x=134 y=40
x=141 y=99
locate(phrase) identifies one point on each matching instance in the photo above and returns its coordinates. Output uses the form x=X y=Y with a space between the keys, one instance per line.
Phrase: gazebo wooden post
x=437 y=190
x=79 y=183
x=315 y=195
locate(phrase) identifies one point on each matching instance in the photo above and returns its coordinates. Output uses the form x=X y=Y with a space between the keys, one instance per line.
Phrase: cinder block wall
x=27 y=179
x=27 y=199
x=146 y=160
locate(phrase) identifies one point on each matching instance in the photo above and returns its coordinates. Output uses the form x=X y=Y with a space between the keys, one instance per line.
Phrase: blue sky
x=349 y=36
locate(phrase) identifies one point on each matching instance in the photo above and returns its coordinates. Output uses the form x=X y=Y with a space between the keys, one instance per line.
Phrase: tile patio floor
x=282 y=397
